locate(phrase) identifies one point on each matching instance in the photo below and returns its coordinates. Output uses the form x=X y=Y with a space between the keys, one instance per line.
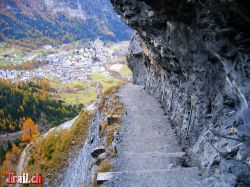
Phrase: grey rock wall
x=194 y=57
x=80 y=167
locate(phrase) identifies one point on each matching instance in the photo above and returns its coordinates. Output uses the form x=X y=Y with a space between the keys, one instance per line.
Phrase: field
x=105 y=81
x=83 y=92
x=121 y=68
x=56 y=84
x=125 y=71
x=85 y=97
x=76 y=93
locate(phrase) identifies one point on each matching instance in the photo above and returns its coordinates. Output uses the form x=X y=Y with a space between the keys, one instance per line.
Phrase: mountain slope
x=65 y=20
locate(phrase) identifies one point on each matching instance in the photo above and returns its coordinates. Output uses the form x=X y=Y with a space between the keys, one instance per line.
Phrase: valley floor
x=148 y=150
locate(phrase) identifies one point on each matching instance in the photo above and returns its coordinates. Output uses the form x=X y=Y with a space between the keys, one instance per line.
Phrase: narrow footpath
x=148 y=151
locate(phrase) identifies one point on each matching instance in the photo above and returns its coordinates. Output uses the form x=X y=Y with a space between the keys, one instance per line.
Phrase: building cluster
x=67 y=65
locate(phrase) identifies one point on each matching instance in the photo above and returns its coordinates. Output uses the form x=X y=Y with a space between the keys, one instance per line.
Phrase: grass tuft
x=104 y=167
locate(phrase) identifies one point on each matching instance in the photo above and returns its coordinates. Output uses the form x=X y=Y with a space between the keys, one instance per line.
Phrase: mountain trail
x=148 y=150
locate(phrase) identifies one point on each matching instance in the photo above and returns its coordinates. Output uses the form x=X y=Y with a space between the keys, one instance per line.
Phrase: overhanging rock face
x=194 y=56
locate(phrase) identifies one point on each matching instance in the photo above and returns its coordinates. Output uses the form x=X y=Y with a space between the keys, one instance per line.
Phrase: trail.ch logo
x=23 y=179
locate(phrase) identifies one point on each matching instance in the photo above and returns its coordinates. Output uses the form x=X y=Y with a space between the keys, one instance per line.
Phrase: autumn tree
x=11 y=160
x=30 y=130
x=44 y=84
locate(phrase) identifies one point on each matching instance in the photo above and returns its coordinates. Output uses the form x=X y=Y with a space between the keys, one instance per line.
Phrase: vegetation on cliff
x=111 y=108
x=49 y=153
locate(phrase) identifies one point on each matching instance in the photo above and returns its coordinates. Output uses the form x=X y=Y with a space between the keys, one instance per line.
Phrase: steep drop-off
x=194 y=57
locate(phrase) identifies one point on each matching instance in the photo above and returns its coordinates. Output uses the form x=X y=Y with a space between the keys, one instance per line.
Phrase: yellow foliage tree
x=15 y=150
x=11 y=161
x=44 y=84
x=30 y=130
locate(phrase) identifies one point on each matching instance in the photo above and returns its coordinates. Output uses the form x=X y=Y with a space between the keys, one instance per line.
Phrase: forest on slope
x=31 y=100
x=60 y=21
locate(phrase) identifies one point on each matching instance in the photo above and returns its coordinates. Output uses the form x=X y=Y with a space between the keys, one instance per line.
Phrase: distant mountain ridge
x=64 y=20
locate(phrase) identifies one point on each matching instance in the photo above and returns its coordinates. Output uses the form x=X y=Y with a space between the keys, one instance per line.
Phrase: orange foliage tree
x=30 y=130
x=11 y=161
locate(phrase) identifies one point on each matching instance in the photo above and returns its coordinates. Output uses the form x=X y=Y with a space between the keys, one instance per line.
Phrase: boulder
x=102 y=177
x=103 y=156
x=97 y=151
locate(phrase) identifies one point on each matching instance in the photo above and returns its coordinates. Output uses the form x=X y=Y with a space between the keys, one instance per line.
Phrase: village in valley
x=77 y=71
x=68 y=64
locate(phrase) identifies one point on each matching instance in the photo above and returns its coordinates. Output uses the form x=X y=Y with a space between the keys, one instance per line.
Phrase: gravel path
x=148 y=150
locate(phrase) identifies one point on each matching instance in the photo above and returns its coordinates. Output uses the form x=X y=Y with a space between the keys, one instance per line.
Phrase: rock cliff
x=99 y=148
x=193 y=55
